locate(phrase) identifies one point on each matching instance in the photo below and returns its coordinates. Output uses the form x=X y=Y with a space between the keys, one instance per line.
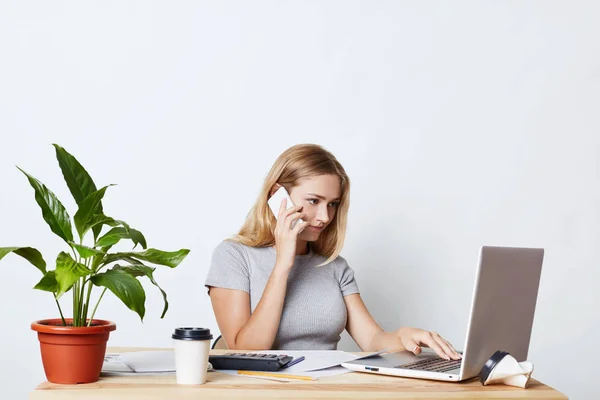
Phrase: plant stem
x=94 y=312
x=78 y=292
x=89 y=292
x=76 y=257
x=60 y=311
x=74 y=290
x=81 y=303
x=75 y=298
x=87 y=301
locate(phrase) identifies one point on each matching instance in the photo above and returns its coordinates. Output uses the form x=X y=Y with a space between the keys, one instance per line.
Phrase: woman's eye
x=316 y=201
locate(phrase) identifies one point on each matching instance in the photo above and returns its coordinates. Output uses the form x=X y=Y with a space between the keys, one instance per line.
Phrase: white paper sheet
x=316 y=359
x=313 y=374
x=149 y=361
x=139 y=362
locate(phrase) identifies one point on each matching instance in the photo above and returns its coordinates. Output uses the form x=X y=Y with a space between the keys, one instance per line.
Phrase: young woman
x=277 y=287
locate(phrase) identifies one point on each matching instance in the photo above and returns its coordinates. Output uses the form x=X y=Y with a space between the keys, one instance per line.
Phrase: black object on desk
x=249 y=361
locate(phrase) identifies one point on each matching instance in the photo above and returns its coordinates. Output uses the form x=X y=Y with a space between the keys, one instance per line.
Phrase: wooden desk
x=353 y=385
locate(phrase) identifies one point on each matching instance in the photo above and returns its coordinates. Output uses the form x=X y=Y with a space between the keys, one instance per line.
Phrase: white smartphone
x=275 y=202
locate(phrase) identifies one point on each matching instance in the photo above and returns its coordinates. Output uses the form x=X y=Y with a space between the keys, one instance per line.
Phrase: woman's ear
x=275 y=187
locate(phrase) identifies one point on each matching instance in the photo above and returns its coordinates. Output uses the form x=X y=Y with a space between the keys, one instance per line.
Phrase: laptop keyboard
x=433 y=365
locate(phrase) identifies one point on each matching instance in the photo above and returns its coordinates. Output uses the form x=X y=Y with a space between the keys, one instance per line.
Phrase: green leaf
x=125 y=287
x=116 y=234
x=68 y=271
x=85 y=216
x=97 y=229
x=78 y=180
x=144 y=270
x=48 y=282
x=101 y=219
x=28 y=253
x=99 y=258
x=112 y=237
x=84 y=251
x=53 y=211
x=168 y=258
x=138 y=238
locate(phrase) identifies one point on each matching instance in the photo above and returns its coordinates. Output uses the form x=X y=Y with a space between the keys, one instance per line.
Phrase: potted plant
x=73 y=349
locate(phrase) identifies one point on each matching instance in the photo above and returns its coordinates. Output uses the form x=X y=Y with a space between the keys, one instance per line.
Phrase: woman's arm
x=242 y=330
x=256 y=331
x=371 y=337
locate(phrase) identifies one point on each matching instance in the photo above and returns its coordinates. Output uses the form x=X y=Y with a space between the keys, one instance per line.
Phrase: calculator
x=250 y=361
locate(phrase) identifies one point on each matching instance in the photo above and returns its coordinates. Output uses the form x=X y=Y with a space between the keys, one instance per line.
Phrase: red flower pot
x=70 y=354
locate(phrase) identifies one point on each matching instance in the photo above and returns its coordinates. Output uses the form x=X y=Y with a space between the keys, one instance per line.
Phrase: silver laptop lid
x=503 y=305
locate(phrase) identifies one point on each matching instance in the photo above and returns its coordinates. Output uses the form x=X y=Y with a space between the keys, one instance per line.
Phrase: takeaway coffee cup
x=192 y=347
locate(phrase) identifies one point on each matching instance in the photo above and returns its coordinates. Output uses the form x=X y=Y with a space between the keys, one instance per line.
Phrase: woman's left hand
x=414 y=338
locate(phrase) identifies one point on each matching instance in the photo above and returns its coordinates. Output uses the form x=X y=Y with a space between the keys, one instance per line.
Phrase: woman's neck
x=301 y=247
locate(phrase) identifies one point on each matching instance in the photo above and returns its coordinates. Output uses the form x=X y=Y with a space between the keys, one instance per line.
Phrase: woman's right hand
x=285 y=237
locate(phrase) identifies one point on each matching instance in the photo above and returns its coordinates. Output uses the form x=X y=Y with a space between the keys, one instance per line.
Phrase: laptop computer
x=501 y=318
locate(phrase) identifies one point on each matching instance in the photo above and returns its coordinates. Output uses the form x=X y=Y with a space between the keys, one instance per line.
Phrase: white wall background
x=459 y=123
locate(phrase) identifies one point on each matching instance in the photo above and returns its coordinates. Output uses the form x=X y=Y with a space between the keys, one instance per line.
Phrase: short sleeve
x=228 y=268
x=348 y=284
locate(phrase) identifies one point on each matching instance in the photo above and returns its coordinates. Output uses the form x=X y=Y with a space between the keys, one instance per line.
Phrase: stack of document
x=316 y=363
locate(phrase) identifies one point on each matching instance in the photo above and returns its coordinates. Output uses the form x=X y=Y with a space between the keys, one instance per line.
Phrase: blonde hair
x=298 y=162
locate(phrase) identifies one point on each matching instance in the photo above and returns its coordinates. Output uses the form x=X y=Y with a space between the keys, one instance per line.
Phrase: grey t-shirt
x=314 y=313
